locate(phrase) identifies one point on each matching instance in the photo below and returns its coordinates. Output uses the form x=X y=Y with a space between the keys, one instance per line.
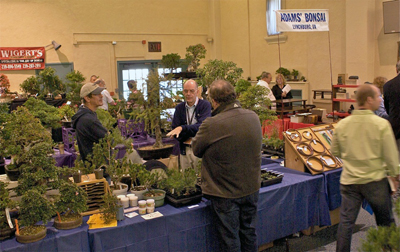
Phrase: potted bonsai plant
x=138 y=173
x=110 y=208
x=150 y=113
x=30 y=86
x=34 y=207
x=51 y=84
x=194 y=54
x=75 y=81
x=48 y=115
x=4 y=85
x=150 y=180
x=295 y=74
x=65 y=113
x=181 y=189
x=70 y=204
x=18 y=135
x=6 y=230
x=171 y=61
x=284 y=71
x=218 y=69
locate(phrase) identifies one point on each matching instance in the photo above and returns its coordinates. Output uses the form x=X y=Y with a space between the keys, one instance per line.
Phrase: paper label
x=131 y=215
x=152 y=215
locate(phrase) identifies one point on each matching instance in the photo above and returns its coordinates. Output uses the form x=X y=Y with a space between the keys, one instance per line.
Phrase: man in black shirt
x=88 y=128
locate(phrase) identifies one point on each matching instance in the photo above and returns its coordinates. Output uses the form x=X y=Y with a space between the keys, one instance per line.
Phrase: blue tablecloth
x=295 y=204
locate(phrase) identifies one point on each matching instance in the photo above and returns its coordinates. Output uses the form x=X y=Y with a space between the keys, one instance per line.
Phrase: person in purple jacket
x=187 y=119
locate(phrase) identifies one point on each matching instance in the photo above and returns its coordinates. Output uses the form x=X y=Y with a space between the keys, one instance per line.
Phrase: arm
x=390 y=153
x=386 y=98
x=381 y=112
x=200 y=142
x=335 y=147
x=277 y=92
x=109 y=98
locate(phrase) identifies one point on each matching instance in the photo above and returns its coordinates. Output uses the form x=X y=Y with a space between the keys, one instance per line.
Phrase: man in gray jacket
x=229 y=144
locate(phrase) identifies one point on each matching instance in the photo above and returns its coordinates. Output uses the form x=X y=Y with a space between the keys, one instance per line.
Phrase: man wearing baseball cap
x=88 y=128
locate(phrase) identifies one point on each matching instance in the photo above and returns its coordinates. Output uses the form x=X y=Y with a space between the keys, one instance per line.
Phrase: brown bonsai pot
x=149 y=153
x=28 y=238
x=68 y=224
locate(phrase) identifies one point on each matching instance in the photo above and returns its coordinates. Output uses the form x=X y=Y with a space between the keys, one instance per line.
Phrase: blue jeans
x=236 y=222
x=377 y=194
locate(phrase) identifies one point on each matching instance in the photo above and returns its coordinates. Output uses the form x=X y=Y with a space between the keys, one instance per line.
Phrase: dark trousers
x=377 y=194
x=236 y=222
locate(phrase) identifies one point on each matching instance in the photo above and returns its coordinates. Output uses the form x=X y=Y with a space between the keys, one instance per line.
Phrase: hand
x=283 y=94
x=395 y=183
x=175 y=132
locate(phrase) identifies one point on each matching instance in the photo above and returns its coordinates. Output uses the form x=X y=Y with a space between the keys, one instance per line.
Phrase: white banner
x=302 y=20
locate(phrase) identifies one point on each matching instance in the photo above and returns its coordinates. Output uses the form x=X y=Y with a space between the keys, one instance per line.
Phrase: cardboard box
x=320 y=112
x=171 y=162
x=296 y=119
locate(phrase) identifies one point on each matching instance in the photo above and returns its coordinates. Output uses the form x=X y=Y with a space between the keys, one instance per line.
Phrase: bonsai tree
x=116 y=110
x=50 y=82
x=106 y=119
x=109 y=208
x=218 y=70
x=104 y=155
x=72 y=201
x=30 y=86
x=19 y=134
x=171 y=61
x=48 y=115
x=181 y=183
x=66 y=112
x=383 y=238
x=38 y=168
x=138 y=173
x=295 y=74
x=151 y=109
x=4 y=84
x=194 y=54
x=34 y=207
x=255 y=98
x=284 y=71
x=75 y=81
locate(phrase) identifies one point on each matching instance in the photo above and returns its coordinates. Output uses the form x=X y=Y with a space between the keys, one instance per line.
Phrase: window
x=272 y=5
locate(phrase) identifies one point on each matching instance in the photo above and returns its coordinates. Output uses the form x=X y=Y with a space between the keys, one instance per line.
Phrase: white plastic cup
x=142 y=210
x=142 y=203
x=133 y=201
x=130 y=195
x=150 y=203
x=150 y=209
x=125 y=202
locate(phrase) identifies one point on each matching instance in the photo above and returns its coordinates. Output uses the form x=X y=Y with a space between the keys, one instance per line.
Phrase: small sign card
x=152 y=215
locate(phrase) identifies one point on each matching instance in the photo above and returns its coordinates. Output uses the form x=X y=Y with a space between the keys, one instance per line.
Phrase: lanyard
x=189 y=122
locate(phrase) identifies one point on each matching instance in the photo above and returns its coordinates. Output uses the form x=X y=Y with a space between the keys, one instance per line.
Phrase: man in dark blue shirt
x=187 y=119
x=88 y=128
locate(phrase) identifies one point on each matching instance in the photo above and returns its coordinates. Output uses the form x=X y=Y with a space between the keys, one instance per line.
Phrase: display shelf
x=343 y=100
x=336 y=101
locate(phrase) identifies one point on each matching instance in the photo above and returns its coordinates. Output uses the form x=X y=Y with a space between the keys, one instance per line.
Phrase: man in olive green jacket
x=229 y=144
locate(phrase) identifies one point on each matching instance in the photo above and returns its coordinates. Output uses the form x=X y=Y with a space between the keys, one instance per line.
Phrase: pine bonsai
x=72 y=201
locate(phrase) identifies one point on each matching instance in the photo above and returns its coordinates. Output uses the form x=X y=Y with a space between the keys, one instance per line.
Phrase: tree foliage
x=219 y=70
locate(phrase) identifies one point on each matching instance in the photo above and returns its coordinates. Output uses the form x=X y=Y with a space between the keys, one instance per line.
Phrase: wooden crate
x=95 y=189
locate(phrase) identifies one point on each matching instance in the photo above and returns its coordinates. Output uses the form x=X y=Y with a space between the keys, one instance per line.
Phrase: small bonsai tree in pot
x=34 y=207
x=30 y=86
x=19 y=134
x=70 y=204
x=194 y=54
x=138 y=174
x=4 y=84
x=75 y=81
x=171 y=61
x=218 y=70
x=284 y=71
x=150 y=112
x=51 y=84
x=295 y=74
x=48 y=115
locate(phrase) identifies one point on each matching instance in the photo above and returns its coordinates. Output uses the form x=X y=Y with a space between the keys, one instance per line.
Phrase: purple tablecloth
x=66 y=159
x=150 y=141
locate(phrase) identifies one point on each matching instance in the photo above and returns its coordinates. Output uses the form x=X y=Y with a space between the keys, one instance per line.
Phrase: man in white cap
x=88 y=128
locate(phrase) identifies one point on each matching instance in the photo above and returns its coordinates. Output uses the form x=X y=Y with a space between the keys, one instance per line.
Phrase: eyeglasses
x=192 y=91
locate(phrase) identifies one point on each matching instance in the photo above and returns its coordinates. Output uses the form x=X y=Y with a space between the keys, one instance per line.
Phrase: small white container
x=142 y=203
x=125 y=202
x=130 y=195
x=150 y=209
x=133 y=201
x=142 y=210
x=150 y=203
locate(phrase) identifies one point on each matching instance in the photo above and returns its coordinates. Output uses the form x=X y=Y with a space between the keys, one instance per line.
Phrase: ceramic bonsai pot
x=12 y=174
x=184 y=200
x=98 y=173
x=122 y=191
x=138 y=193
x=6 y=233
x=22 y=238
x=68 y=224
x=148 y=153
x=156 y=194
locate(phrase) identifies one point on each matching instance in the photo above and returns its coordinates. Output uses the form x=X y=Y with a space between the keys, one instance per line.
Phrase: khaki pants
x=189 y=160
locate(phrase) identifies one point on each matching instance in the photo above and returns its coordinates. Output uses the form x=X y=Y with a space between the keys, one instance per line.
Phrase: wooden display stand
x=95 y=189
x=317 y=159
